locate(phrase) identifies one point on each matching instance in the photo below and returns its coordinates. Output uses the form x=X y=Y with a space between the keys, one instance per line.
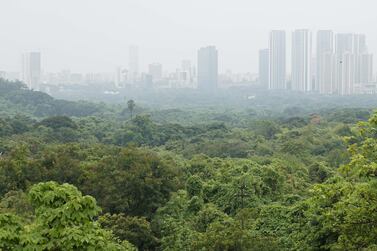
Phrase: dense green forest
x=95 y=176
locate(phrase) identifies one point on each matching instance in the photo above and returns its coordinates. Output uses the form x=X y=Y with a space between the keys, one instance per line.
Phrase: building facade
x=301 y=61
x=208 y=68
x=31 y=70
x=277 y=60
x=325 y=72
x=155 y=70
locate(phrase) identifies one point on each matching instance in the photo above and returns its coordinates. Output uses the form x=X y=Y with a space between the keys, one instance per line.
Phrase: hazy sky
x=94 y=35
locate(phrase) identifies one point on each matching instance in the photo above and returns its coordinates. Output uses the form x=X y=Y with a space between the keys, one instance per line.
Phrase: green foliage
x=137 y=230
x=58 y=122
x=131 y=106
x=207 y=178
x=10 y=228
x=266 y=128
x=341 y=213
x=16 y=98
x=17 y=202
x=64 y=220
x=133 y=181
x=194 y=185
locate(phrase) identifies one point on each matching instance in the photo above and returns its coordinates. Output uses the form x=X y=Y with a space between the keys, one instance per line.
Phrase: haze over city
x=94 y=36
x=186 y=125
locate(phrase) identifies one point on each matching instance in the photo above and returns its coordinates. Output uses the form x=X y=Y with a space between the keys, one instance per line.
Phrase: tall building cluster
x=321 y=62
x=341 y=65
x=154 y=76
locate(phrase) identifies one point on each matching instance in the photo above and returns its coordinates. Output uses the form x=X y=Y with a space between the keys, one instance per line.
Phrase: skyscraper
x=207 y=68
x=155 y=70
x=264 y=67
x=365 y=68
x=363 y=60
x=344 y=43
x=189 y=72
x=326 y=78
x=133 y=67
x=118 y=77
x=359 y=44
x=301 y=60
x=186 y=65
x=325 y=74
x=346 y=74
x=31 y=70
x=345 y=64
x=277 y=61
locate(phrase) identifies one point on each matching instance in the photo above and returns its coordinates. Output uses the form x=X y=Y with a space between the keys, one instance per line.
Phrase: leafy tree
x=341 y=213
x=318 y=172
x=131 y=181
x=5 y=128
x=267 y=129
x=58 y=122
x=17 y=202
x=136 y=230
x=10 y=228
x=14 y=173
x=64 y=220
x=131 y=106
x=194 y=185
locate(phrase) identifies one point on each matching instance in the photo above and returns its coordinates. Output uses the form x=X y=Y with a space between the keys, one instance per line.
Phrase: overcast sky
x=94 y=35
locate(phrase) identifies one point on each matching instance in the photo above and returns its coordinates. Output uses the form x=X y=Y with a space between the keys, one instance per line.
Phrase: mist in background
x=89 y=36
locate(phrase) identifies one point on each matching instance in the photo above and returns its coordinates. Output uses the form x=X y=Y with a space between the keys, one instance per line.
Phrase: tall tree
x=64 y=220
x=131 y=106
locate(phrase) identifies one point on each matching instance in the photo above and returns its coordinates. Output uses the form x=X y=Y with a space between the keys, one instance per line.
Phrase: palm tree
x=131 y=105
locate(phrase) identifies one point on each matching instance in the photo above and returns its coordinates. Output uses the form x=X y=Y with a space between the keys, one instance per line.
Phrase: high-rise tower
x=277 y=60
x=301 y=60
x=207 y=68
x=31 y=70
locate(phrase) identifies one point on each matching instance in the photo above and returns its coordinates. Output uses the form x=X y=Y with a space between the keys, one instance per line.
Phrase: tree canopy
x=84 y=176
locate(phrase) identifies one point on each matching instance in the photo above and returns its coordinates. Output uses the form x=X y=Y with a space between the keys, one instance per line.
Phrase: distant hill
x=16 y=98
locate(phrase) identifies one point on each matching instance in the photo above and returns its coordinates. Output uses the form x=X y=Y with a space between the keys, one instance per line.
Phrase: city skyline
x=341 y=63
x=172 y=31
x=144 y=65
x=355 y=40
x=345 y=70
